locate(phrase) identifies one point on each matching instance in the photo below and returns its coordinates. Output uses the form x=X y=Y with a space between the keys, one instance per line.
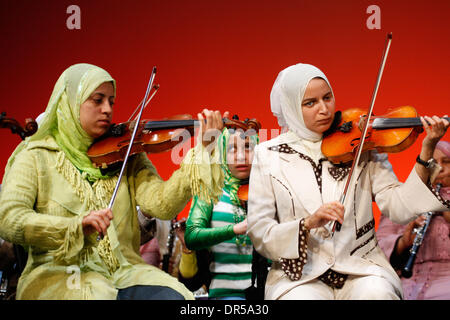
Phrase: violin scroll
x=29 y=129
x=247 y=124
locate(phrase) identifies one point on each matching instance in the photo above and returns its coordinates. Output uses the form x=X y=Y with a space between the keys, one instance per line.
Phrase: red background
x=226 y=55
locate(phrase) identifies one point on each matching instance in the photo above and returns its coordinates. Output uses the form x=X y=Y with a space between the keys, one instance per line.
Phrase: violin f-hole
x=355 y=141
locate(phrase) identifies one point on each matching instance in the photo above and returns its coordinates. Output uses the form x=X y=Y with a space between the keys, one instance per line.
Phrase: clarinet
x=170 y=244
x=420 y=234
x=174 y=225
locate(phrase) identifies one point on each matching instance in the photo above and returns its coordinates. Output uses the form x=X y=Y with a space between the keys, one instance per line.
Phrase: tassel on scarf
x=105 y=252
x=205 y=174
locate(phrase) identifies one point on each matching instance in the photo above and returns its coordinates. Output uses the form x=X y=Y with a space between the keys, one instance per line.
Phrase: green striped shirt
x=231 y=266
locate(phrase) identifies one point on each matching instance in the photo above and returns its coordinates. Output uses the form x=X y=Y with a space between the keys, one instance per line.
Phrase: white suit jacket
x=284 y=189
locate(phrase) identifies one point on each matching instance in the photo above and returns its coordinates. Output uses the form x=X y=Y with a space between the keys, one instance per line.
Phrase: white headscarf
x=287 y=95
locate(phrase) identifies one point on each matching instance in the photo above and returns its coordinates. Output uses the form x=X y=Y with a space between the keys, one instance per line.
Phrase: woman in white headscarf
x=293 y=200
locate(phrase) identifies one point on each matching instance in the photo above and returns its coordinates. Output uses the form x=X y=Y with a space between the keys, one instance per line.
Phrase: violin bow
x=337 y=225
x=149 y=86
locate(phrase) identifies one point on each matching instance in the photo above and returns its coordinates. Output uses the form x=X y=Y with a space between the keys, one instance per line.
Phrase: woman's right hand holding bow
x=330 y=211
x=97 y=221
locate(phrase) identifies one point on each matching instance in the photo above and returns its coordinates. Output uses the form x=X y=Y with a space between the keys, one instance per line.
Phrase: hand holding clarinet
x=419 y=228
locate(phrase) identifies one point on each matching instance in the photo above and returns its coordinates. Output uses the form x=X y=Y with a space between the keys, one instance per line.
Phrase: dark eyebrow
x=314 y=99
x=308 y=100
x=101 y=94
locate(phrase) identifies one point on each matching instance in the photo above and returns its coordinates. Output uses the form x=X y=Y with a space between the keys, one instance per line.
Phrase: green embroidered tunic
x=50 y=184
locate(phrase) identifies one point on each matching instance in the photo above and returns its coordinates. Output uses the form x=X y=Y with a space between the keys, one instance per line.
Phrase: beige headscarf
x=287 y=95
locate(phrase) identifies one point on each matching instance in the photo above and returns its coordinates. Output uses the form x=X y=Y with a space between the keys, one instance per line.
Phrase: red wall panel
x=226 y=55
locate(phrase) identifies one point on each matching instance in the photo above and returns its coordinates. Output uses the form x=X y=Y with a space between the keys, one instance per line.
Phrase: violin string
x=151 y=97
x=156 y=87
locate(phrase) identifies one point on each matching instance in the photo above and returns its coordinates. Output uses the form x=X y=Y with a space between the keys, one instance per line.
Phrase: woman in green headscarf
x=53 y=200
x=222 y=227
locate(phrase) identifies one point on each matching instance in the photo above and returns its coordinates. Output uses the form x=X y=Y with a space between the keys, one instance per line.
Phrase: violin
x=393 y=132
x=153 y=136
x=29 y=129
x=243 y=193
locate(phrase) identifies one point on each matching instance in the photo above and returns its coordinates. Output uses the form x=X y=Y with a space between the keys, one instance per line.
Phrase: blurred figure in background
x=431 y=271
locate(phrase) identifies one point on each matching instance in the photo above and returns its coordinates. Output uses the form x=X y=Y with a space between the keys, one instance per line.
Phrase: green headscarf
x=231 y=183
x=62 y=117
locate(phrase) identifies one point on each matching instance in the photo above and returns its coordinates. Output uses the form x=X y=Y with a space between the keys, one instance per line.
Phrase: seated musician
x=8 y=272
x=294 y=200
x=54 y=201
x=193 y=268
x=430 y=277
